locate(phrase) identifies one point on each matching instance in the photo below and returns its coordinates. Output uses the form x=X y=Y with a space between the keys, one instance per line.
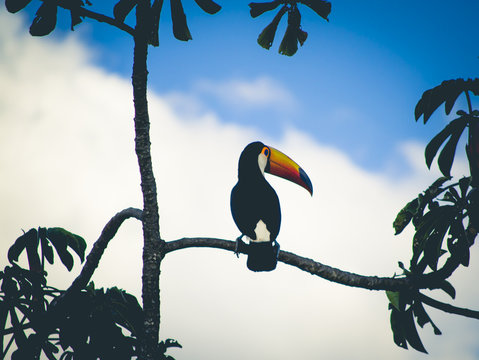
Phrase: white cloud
x=66 y=159
x=257 y=93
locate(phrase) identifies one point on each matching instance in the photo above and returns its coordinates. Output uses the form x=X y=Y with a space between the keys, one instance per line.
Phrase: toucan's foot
x=240 y=246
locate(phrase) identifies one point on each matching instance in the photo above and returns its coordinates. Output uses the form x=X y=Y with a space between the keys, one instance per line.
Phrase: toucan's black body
x=253 y=199
x=255 y=205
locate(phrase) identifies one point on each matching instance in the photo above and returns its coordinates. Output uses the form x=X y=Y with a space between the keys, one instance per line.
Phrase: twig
x=81 y=11
x=448 y=307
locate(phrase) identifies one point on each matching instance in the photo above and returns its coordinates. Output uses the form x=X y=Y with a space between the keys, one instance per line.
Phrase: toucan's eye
x=266 y=151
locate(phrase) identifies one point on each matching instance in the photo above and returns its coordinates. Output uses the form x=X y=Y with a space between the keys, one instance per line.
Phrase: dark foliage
x=445 y=216
x=447 y=93
x=40 y=319
x=294 y=33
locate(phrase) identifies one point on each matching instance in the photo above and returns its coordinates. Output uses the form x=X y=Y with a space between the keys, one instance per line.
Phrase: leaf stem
x=81 y=11
x=469 y=104
x=448 y=307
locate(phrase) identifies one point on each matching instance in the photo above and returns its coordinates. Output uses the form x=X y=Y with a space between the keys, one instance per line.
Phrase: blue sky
x=354 y=84
x=342 y=107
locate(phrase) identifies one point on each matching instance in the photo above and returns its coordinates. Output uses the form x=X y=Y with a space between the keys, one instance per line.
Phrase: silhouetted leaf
x=208 y=6
x=47 y=250
x=432 y=248
x=397 y=328
x=423 y=318
x=302 y=36
x=289 y=44
x=180 y=27
x=21 y=244
x=320 y=7
x=410 y=332
x=405 y=215
x=155 y=23
x=448 y=288
x=75 y=242
x=393 y=297
x=14 y=6
x=265 y=39
x=18 y=332
x=464 y=185
x=122 y=8
x=432 y=148
x=447 y=92
x=75 y=6
x=45 y=19
x=472 y=150
x=60 y=242
x=446 y=157
x=256 y=9
x=3 y=320
x=432 y=221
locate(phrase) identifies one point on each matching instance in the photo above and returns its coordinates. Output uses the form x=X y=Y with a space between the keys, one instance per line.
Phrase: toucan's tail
x=262 y=256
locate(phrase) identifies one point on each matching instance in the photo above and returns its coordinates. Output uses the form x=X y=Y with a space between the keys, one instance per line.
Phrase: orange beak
x=283 y=166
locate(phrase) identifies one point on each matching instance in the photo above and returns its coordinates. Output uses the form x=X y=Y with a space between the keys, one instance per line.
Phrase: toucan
x=255 y=205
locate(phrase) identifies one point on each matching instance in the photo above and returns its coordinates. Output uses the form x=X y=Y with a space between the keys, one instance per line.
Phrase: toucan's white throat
x=262 y=161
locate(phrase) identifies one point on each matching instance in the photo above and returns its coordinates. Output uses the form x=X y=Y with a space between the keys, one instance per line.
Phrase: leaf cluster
x=181 y=30
x=447 y=93
x=294 y=33
x=439 y=215
x=45 y=19
x=406 y=310
x=40 y=319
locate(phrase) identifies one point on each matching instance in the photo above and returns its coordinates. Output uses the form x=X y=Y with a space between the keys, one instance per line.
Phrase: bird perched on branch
x=255 y=205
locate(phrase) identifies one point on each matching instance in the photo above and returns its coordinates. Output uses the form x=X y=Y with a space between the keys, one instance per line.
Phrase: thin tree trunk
x=151 y=229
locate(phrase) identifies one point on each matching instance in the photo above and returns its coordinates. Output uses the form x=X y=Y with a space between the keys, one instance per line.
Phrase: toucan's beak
x=283 y=166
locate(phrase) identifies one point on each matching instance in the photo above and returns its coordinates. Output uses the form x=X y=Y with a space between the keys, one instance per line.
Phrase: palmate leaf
x=447 y=93
x=61 y=240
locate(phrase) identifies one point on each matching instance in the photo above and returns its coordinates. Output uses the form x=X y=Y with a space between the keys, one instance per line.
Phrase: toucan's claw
x=240 y=246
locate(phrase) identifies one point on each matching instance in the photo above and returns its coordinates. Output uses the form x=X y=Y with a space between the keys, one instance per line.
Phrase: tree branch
x=93 y=258
x=302 y=263
x=448 y=307
x=56 y=307
x=81 y=11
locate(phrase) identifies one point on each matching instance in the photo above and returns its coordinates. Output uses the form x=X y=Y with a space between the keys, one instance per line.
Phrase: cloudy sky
x=342 y=108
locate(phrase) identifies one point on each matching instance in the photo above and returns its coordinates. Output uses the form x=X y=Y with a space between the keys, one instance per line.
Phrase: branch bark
x=57 y=306
x=93 y=258
x=152 y=252
x=302 y=263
